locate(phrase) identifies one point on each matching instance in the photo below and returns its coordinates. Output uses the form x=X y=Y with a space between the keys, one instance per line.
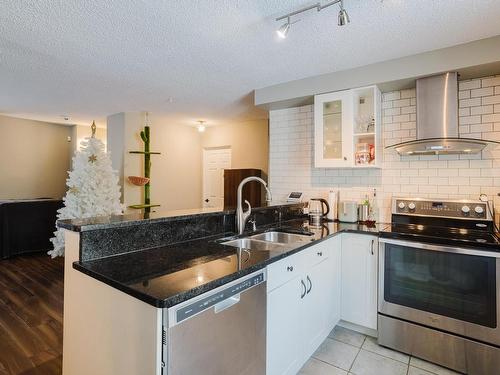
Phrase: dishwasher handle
x=227 y=303
x=219 y=299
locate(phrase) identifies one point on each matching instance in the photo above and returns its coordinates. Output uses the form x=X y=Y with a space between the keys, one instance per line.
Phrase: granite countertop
x=166 y=276
x=158 y=215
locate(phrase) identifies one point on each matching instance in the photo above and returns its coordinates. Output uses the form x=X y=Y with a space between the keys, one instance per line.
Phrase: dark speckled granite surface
x=167 y=275
x=157 y=216
x=123 y=234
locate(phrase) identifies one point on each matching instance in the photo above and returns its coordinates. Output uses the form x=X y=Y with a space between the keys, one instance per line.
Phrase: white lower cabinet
x=303 y=309
x=283 y=328
x=359 y=279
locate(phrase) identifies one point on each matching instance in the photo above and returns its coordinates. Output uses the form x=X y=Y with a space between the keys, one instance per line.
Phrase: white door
x=214 y=163
x=284 y=341
x=359 y=279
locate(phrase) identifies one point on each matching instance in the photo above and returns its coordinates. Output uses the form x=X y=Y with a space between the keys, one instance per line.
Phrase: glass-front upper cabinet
x=347 y=130
x=332 y=131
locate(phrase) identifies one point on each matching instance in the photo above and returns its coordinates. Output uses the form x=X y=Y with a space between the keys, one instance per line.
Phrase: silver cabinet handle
x=289 y=268
x=372 y=251
x=305 y=289
x=310 y=284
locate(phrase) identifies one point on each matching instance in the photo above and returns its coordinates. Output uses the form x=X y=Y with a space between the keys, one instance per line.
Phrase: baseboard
x=355 y=327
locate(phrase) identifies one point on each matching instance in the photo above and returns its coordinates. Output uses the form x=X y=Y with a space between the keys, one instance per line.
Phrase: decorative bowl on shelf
x=138 y=180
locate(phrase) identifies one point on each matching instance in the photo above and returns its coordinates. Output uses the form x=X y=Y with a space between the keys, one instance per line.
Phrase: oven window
x=453 y=285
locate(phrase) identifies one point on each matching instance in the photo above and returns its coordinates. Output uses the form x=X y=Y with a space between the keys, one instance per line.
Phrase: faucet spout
x=242 y=216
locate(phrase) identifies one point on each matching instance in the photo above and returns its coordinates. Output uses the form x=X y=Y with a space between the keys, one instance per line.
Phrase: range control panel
x=466 y=209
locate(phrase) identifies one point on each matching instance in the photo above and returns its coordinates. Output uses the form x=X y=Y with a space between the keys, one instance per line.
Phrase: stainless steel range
x=439 y=284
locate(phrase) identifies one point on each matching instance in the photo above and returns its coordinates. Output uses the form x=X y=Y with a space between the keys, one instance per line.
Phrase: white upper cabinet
x=333 y=129
x=347 y=129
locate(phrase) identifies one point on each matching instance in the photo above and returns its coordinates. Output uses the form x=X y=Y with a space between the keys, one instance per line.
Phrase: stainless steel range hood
x=437 y=120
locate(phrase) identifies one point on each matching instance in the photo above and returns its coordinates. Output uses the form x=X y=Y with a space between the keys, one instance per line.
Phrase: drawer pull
x=320 y=253
x=289 y=268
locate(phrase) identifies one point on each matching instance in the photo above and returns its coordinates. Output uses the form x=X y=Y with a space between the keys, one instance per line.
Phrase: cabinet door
x=315 y=307
x=359 y=279
x=334 y=282
x=333 y=140
x=284 y=343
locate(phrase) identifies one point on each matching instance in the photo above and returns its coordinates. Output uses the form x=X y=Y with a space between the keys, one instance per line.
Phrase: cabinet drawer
x=284 y=270
x=316 y=254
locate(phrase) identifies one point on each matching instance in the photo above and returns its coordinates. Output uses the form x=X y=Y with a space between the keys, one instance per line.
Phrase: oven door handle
x=446 y=249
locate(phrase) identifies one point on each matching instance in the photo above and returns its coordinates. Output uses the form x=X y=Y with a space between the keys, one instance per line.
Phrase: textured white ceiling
x=88 y=59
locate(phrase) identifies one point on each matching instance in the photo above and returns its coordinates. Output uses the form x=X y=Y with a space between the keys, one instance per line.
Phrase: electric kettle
x=318 y=209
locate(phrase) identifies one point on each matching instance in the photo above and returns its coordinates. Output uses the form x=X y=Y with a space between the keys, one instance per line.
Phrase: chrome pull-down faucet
x=242 y=216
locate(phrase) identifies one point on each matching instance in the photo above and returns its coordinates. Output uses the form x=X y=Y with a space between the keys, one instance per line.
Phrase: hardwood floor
x=31 y=315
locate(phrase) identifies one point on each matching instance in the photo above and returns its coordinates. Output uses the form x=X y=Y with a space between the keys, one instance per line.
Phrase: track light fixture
x=283 y=30
x=343 y=17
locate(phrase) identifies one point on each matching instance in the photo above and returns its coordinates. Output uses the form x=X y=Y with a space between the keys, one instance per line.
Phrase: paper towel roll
x=333 y=197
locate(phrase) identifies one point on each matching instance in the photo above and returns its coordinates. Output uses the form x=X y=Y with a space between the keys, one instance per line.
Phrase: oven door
x=452 y=289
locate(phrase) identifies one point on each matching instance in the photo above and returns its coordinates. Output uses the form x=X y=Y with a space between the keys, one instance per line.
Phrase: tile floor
x=347 y=352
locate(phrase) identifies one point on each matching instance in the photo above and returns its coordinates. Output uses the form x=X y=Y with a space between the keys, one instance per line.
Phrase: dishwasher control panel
x=212 y=300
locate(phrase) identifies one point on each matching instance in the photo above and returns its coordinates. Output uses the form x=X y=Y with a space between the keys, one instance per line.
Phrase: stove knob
x=411 y=206
x=465 y=210
x=401 y=205
x=479 y=210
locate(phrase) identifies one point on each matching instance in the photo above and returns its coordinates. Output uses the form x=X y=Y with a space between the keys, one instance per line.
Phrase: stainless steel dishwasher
x=221 y=332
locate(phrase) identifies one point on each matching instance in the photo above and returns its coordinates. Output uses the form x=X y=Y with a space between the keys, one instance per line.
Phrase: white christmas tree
x=93 y=188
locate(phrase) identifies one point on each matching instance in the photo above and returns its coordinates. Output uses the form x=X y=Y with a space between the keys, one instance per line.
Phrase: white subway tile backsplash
x=481 y=110
x=469 y=84
x=291 y=155
x=490 y=81
x=467 y=120
x=482 y=92
x=490 y=100
x=469 y=102
x=491 y=118
x=391 y=96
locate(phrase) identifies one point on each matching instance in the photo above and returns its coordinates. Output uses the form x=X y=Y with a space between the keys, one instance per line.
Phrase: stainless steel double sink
x=270 y=241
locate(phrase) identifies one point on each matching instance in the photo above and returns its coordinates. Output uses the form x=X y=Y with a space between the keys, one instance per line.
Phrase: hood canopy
x=437 y=120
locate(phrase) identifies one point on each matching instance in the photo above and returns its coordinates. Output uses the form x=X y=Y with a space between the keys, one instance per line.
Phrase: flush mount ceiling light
x=343 y=17
x=201 y=126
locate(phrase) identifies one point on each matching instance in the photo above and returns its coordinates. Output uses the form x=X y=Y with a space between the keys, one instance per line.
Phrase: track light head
x=343 y=18
x=284 y=29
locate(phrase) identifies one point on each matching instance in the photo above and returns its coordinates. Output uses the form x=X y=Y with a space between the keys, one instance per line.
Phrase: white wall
x=446 y=176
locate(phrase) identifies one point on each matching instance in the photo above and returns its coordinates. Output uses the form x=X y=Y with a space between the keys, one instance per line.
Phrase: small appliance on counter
x=348 y=211
x=333 y=198
x=318 y=211
x=363 y=212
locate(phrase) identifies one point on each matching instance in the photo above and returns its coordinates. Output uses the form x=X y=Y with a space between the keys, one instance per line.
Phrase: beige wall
x=80 y=132
x=249 y=142
x=34 y=158
x=176 y=174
